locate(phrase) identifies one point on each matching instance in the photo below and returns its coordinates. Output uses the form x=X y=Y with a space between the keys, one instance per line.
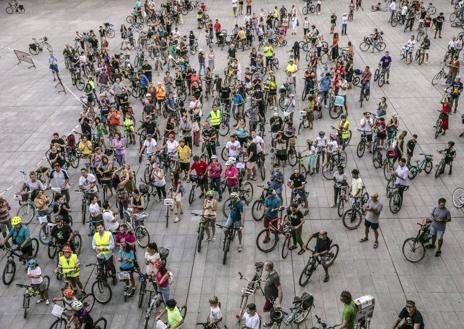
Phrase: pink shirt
x=230 y=172
x=214 y=170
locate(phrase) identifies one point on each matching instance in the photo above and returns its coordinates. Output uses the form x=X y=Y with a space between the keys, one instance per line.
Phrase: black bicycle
x=414 y=248
x=100 y=288
x=352 y=218
x=321 y=324
x=229 y=236
x=9 y=270
x=253 y=285
x=395 y=197
x=314 y=261
x=30 y=292
x=202 y=225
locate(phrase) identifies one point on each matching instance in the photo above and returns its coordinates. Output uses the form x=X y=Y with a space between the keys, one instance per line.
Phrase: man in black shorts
x=373 y=209
x=321 y=249
x=252 y=157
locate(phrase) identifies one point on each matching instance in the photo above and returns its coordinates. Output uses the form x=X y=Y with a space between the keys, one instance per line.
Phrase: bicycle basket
x=123 y=276
x=164 y=253
x=33 y=46
x=307 y=300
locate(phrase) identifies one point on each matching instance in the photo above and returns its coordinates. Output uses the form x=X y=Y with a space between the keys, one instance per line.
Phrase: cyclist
x=409 y=46
x=149 y=146
x=401 y=176
x=366 y=77
x=349 y=311
x=215 y=314
x=272 y=205
x=81 y=317
x=21 y=237
x=236 y=217
x=409 y=317
x=440 y=217
x=449 y=155
x=175 y=319
x=88 y=184
x=250 y=318
x=297 y=183
x=268 y=53
x=372 y=208
x=357 y=185
x=209 y=211
x=340 y=180
x=68 y=297
x=61 y=234
x=126 y=258
x=321 y=249
x=366 y=124
x=34 y=272
x=233 y=147
x=295 y=217
x=200 y=167
x=385 y=63
x=69 y=265
x=425 y=45
x=103 y=244
x=214 y=175
x=344 y=130
x=32 y=186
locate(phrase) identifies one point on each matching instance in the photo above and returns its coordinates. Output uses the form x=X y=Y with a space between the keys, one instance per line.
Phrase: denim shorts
x=438 y=233
x=230 y=223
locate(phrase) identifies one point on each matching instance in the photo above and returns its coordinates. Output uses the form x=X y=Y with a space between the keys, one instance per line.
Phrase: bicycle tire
x=438 y=128
x=43 y=234
x=333 y=253
x=224 y=154
x=9 y=272
x=35 y=247
x=89 y=301
x=381 y=81
x=98 y=288
x=224 y=129
x=247 y=192
x=59 y=323
x=412 y=243
x=143 y=285
x=352 y=218
x=100 y=324
x=110 y=34
x=436 y=78
x=80 y=84
x=377 y=159
x=413 y=171
x=327 y=171
x=387 y=168
x=257 y=210
x=395 y=203
x=143 y=236
x=428 y=167
x=301 y=316
x=458 y=197
x=452 y=17
x=361 y=148
x=394 y=22
x=226 y=208
x=26 y=212
x=364 y=46
x=83 y=211
x=34 y=51
x=340 y=207
x=291 y=156
x=305 y=275
x=305 y=10
x=192 y=194
x=73 y=161
x=200 y=237
x=286 y=247
x=440 y=168
x=225 y=249
x=269 y=246
x=51 y=251
x=376 y=74
x=335 y=112
x=26 y=302
x=381 y=46
x=9 y=10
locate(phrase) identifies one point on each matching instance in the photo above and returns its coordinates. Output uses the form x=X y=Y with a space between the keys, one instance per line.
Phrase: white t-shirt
x=35 y=272
x=321 y=142
x=234 y=3
x=332 y=147
x=402 y=175
x=251 y=321
x=356 y=186
x=108 y=219
x=150 y=146
x=366 y=125
x=233 y=148
x=86 y=182
x=259 y=141
x=215 y=313
x=94 y=209
x=172 y=146
x=150 y=268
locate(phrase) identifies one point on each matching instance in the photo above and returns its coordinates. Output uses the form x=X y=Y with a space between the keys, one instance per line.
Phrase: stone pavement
x=31 y=110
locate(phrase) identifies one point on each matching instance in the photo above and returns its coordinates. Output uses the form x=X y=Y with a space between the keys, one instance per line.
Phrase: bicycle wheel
x=412 y=172
x=341 y=207
x=438 y=128
x=192 y=194
x=413 y=250
x=26 y=302
x=364 y=46
x=225 y=249
x=51 y=251
x=352 y=218
x=130 y=19
x=247 y=192
x=9 y=272
x=452 y=17
x=377 y=159
x=428 y=167
x=35 y=247
x=307 y=272
x=305 y=10
x=110 y=33
x=9 y=10
x=100 y=324
x=458 y=197
x=60 y=323
x=387 y=169
x=286 y=246
x=437 y=77
x=440 y=168
x=262 y=170
x=102 y=292
x=80 y=84
x=332 y=254
x=226 y=208
x=291 y=156
x=201 y=233
x=224 y=154
x=88 y=301
x=26 y=212
x=381 y=81
x=44 y=233
x=301 y=315
x=142 y=236
x=224 y=129
x=269 y=245
x=335 y=112
x=83 y=211
x=361 y=148
x=34 y=50
x=381 y=46
x=257 y=210
x=328 y=170
x=395 y=203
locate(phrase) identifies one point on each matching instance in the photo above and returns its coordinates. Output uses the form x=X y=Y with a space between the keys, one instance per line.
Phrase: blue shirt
x=144 y=81
x=237 y=99
x=277 y=181
x=385 y=60
x=272 y=203
x=236 y=211
x=325 y=84
x=19 y=236
x=126 y=260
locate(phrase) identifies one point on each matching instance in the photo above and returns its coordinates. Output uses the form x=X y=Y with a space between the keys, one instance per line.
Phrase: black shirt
x=210 y=135
x=61 y=234
x=225 y=92
x=297 y=180
x=252 y=149
x=321 y=245
x=276 y=124
x=271 y=291
x=149 y=126
x=295 y=218
x=411 y=320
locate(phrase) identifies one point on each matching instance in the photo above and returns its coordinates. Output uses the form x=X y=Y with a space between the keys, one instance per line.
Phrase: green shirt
x=174 y=316
x=349 y=313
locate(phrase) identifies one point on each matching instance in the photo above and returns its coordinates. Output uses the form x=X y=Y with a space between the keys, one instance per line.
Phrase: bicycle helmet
x=77 y=305
x=228 y=163
x=16 y=220
x=234 y=195
x=32 y=263
x=210 y=194
x=321 y=133
x=67 y=249
x=68 y=293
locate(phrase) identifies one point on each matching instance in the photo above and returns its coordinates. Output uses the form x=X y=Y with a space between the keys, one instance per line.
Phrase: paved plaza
x=31 y=110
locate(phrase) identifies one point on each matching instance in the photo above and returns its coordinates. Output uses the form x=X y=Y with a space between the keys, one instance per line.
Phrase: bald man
x=373 y=208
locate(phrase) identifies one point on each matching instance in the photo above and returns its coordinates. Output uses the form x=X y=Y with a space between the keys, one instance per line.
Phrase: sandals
x=438 y=253
x=376 y=244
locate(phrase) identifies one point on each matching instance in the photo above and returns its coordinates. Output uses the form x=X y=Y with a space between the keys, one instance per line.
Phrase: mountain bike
x=14 y=7
x=257 y=208
x=458 y=197
x=370 y=42
x=395 y=197
x=379 y=76
x=440 y=169
x=297 y=313
x=30 y=292
x=100 y=288
x=439 y=76
x=363 y=143
x=245 y=191
x=229 y=236
x=141 y=233
x=62 y=323
x=352 y=218
x=9 y=270
x=420 y=55
x=276 y=227
x=414 y=248
x=426 y=164
x=334 y=160
x=203 y=223
x=252 y=285
x=38 y=45
x=314 y=261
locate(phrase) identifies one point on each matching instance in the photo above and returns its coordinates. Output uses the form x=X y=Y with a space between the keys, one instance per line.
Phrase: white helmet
x=77 y=305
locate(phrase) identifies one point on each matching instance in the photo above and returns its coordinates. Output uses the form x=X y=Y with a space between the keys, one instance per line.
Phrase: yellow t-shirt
x=292 y=68
x=85 y=148
x=184 y=153
x=241 y=35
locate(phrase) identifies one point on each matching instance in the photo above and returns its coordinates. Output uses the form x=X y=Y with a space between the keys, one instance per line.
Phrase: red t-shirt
x=199 y=167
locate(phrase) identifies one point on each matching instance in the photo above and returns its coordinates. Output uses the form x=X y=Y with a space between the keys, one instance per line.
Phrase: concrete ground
x=31 y=110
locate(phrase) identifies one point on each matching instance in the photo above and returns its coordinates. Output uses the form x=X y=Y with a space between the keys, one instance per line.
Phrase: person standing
x=349 y=311
x=410 y=146
x=440 y=216
x=410 y=317
x=250 y=319
x=53 y=64
x=344 y=23
x=295 y=217
x=234 y=7
x=373 y=208
x=273 y=293
x=456 y=90
x=439 y=20
x=103 y=244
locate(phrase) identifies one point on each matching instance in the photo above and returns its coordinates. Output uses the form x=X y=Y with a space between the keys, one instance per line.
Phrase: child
x=34 y=272
x=126 y=258
x=215 y=314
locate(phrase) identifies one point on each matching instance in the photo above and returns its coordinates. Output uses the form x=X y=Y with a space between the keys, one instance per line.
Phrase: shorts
x=251 y=165
x=268 y=305
x=231 y=223
x=184 y=166
x=438 y=233
x=27 y=250
x=268 y=221
x=373 y=226
x=54 y=68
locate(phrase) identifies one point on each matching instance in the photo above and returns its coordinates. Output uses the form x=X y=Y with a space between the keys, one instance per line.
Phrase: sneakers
x=47 y=302
x=176 y=220
x=239 y=248
x=292 y=247
x=268 y=324
x=326 y=278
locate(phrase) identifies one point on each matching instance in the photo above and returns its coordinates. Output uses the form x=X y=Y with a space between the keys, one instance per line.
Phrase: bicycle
x=32 y=292
x=278 y=226
x=364 y=94
x=37 y=46
x=27 y=209
x=369 y=42
x=229 y=236
x=342 y=199
x=420 y=55
x=257 y=208
x=100 y=288
x=426 y=164
x=245 y=191
x=322 y=324
x=438 y=125
x=62 y=323
x=458 y=197
x=439 y=76
x=379 y=75
x=9 y=270
x=253 y=285
x=109 y=30
x=336 y=107
x=207 y=325
x=260 y=163
x=297 y=314
x=309 y=8
x=85 y=201
x=203 y=223
x=395 y=197
x=352 y=218
x=14 y=7
x=440 y=169
x=363 y=143
x=334 y=160
x=406 y=54
x=76 y=79
x=414 y=248
x=314 y=261
x=141 y=233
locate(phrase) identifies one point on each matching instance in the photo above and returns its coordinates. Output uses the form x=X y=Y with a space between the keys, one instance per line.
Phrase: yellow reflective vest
x=102 y=242
x=68 y=266
x=215 y=118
